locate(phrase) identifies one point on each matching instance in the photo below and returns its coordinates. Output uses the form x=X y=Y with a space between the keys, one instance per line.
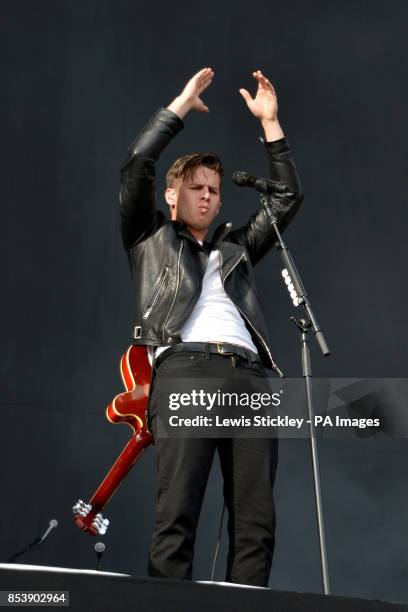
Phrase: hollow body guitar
x=130 y=408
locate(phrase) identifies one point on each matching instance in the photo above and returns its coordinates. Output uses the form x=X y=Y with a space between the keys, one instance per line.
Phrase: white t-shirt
x=215 y=318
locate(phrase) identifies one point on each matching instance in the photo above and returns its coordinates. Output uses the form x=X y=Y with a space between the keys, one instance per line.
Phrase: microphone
x=243 y=179
x=99 y=549
x=52 y=525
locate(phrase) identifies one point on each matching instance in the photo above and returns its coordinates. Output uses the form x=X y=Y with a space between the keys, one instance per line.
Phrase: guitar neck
x=127 y=458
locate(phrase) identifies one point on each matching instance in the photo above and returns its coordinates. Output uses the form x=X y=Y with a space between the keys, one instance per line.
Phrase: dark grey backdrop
x=79 y=79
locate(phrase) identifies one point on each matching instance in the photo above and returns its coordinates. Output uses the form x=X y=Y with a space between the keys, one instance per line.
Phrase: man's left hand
x=264 y=106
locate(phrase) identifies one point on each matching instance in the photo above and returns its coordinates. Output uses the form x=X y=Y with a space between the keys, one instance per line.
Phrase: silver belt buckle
x=221 y=351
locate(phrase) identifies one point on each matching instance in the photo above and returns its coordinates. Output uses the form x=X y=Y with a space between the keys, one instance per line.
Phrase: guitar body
x=130 y=408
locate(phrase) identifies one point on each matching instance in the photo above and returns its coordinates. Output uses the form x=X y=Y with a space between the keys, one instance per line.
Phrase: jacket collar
x=219 y=234
x=182 y=230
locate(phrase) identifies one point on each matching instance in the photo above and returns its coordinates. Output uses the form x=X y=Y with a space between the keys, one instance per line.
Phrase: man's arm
x=258 y=234
x=139 y=216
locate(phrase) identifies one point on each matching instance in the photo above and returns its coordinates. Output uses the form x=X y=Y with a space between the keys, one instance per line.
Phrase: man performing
x=198 y=309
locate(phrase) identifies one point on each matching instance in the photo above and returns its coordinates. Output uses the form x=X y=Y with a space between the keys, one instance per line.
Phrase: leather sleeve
x=138 y=213
x=258 y=235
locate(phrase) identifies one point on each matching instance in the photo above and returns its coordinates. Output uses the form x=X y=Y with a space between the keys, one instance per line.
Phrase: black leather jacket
x=164 y=255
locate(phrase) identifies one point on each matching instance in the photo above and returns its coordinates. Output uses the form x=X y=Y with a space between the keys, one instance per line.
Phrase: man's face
x=196 y=200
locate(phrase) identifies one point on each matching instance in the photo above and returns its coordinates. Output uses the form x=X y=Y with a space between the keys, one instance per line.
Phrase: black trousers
x=248 y=467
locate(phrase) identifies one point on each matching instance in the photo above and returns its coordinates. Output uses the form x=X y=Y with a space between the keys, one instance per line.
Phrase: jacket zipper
x=233 y=267
x=177 y=286
x=274 y=365
x=156 y=295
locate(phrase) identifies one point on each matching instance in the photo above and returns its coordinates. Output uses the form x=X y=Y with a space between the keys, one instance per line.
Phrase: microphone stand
x=218 y=543
x=300 y=298
x=33 y=544
x=99 y=549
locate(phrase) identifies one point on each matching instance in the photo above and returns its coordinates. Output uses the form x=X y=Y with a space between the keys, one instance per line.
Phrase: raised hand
x=189 y=99
x=264 y=106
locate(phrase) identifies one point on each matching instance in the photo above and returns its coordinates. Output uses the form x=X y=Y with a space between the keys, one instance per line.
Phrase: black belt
x=210 y=348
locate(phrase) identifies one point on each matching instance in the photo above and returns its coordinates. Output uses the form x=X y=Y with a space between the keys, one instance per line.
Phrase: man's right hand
x=189 y=99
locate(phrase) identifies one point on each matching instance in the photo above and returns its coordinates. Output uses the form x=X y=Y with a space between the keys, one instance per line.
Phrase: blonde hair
x=184 y=167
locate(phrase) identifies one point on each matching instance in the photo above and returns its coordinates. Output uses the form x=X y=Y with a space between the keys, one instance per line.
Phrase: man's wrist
x=272 y=130
x=180 y=107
